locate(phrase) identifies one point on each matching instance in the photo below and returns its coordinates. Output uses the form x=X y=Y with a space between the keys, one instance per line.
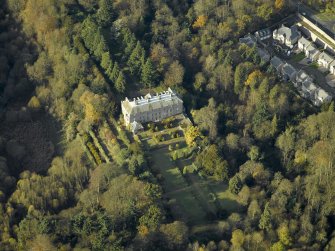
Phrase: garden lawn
x=298 y=57
x=326 y=16
x=182 y=200
x=227 y=200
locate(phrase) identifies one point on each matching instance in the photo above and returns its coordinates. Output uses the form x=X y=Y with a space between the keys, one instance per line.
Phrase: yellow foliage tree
x=279 y=4
x=34 y=103
x=143 y=230
x=191 y=134
x=200 y=22
x=237 y=238
x=284 y=235
x=254 y=78
x=94 y=106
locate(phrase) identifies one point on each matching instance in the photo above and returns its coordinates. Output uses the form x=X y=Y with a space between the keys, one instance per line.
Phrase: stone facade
x=151 y=108
x=286 y=35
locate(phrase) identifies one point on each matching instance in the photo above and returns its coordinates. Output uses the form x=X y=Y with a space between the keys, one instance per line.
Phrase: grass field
x=227 y=200
x=298 y=57
x=326 y=16
x=182 y=200
x=191 y=198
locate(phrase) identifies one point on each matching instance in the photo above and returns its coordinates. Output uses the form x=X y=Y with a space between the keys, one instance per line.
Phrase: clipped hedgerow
x=99 y=146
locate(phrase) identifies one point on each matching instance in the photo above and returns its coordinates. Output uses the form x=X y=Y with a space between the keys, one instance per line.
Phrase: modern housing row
x=291 y=36
x=301 y=80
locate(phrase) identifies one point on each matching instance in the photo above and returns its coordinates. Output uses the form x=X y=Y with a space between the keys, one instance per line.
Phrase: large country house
x=151 y=108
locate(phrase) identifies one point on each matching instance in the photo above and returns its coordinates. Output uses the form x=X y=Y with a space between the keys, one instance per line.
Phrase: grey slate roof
x=264 y=55
x=276 y=62
x=302 y=76
x=322 y=94
x=309 y=86
x=289 y=70
x=313 y=51
x=290 y=33
x=326 y=57
x=249 y=40
x=305 y=42
x=263 y=33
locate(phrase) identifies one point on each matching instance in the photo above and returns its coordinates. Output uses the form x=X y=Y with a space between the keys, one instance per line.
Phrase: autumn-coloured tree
x=191 y=134
x=237 y=238
x=94 y=106
x=254 y=78
x=200 y=22
x=279 y=4
x=34 y=103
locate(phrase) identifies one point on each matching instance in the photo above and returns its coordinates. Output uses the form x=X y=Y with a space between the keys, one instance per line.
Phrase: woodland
x=65 y=66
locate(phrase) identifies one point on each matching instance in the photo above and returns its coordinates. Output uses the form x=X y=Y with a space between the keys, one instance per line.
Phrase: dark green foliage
x=105 y=12
x=149 y=74
x=114 y=74
x=136 y=60
x=120 y=83
x=137 y=164
x=254 y=129
x=211 y=163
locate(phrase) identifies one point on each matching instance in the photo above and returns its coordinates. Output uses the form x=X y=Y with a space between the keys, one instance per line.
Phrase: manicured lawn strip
x=298 y=57
x=189 y=207
x=227 y=200
x=199 y=188
x=177 y=188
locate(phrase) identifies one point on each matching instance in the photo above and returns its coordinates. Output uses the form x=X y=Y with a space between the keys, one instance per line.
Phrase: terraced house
x=151 y=108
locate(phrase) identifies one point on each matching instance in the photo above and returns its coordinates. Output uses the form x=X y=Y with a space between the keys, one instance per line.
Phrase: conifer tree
x=115 y=72
x=149 y=74
x=228 y=59
x=265 y=221
x=136 y=60
x=106 y=61
x=120 y=84
x=105 y=12
x=274 y=125
x=130 y=41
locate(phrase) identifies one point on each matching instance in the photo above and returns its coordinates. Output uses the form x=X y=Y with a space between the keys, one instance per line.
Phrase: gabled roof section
x=289 y=69
x=264 y=55
x=322 y=94
x=136 y=126
x=326 y=57
x=276 y=62
x=289 y=33
x=305 y=42
x=302 y=76
x=249 y=40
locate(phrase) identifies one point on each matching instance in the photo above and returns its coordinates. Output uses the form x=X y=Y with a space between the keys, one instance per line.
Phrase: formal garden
x=189 y=195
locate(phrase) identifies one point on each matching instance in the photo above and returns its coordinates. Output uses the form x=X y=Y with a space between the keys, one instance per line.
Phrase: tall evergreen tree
x=105 y=12
x=265 y=221
x=120 y=84
x=106 y=61
x=115 y=72
x=129 y=40
x=136 y=60
x=149 y=74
